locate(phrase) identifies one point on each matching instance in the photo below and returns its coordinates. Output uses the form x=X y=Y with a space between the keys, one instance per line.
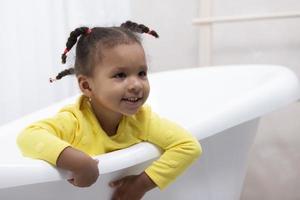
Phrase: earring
x=90 y=99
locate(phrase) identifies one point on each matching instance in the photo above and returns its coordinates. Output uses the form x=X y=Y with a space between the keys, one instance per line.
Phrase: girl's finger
x=116 y=183
x=72 y=181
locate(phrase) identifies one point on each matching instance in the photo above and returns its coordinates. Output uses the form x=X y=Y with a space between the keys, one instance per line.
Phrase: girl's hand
x=83 y=167
x=132 y=187
x=86 y=175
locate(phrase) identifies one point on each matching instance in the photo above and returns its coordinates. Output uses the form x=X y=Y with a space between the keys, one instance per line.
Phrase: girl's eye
x=143 y=73
x=120 y=75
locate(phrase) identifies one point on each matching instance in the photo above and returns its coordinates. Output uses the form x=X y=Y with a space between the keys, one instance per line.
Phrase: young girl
x=111 y=70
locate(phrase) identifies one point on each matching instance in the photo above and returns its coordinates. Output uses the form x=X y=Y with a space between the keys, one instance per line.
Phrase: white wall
x=268 y=41
x=177 y=46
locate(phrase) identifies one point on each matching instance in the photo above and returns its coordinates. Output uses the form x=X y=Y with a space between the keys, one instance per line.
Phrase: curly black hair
x=91 y=43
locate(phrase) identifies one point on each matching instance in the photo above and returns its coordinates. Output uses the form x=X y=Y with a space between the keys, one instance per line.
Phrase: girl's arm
x=46 y=139
x=181 y=149
x=51 y=139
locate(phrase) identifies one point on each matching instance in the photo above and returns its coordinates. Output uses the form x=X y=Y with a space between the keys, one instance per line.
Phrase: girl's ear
x=84 y=85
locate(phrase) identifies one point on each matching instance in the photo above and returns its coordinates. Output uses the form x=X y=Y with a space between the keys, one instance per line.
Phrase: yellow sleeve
x=181 y=149
x=46 y=139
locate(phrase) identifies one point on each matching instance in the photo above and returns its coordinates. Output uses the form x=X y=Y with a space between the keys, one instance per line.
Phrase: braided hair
x=91 y=42
x=139 y=28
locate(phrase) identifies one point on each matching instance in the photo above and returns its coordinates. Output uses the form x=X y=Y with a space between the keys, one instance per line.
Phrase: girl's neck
x=109 y=121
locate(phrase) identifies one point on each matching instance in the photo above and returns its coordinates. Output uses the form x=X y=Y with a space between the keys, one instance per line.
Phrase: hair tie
x=52 y=80
x=66 y=50
x=88 y=31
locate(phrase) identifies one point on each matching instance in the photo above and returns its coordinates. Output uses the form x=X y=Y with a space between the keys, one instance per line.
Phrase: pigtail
x=63 y=73
x=72 y=40
x=70 y=43
x=139 y=28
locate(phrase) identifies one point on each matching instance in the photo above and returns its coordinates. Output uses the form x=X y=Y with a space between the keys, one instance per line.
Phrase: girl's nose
x=135 y=85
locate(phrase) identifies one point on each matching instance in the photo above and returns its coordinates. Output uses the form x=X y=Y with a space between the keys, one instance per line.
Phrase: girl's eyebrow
x=124 y=68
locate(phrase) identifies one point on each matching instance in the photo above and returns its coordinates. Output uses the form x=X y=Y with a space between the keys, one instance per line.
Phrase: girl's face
x=120 y=82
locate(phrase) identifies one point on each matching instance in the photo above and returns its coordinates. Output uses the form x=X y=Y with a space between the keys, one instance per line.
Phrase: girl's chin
x=130 y=112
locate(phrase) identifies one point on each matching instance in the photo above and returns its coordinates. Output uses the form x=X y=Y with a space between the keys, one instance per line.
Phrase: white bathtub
x=220 y=105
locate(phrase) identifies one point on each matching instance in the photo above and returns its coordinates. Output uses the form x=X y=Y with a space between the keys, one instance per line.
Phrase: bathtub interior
x=211 y=88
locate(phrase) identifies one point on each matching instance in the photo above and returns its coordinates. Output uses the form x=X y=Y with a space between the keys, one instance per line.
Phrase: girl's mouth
x=132 y=99
x=132 y=104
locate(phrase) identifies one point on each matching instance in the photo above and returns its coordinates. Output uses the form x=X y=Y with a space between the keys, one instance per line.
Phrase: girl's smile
x=133 y=102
